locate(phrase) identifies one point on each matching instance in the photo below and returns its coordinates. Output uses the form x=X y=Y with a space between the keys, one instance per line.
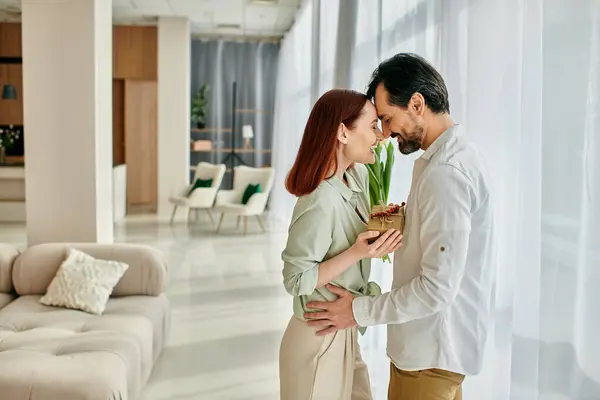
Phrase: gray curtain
x=253 y=66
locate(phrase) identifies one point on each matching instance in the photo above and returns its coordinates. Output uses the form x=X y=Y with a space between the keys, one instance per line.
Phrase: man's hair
x=406 y=74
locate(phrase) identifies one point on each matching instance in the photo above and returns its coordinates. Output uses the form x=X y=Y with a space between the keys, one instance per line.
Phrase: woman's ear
x=342 y=134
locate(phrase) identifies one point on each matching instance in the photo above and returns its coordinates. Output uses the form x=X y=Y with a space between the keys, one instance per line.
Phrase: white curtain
x=292 y=107
x=523 y=77
x=366 y=53
x=218 y=64
x=328 y=21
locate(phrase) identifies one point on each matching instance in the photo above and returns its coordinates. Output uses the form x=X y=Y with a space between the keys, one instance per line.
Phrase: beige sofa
x=49 y=353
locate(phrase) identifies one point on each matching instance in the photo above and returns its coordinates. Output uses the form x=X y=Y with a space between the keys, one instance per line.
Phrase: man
x=439 y=309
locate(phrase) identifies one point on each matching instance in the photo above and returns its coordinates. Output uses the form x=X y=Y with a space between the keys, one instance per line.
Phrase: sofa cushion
x=250 y=191
x=147 y=273
x=48 y=353
x=84 y=283
x=200 y=183
x=8 y=255
x=5 y=298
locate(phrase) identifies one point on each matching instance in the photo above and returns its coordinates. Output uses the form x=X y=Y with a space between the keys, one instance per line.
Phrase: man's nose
x=386 y=132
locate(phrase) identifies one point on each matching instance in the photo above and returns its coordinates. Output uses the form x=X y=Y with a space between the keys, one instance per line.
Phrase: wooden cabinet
x=135 y=52
x=135 y=113
x=11 y=111
x=10 y=40
x=118 y=122
x=141 y=144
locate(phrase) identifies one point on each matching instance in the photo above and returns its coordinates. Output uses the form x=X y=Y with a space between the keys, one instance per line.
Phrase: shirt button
x=442 y=249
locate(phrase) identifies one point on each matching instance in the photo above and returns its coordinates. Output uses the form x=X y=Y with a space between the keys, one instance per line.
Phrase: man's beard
x=410 y=142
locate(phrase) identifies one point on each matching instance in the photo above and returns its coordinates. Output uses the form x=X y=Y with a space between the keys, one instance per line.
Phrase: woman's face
x=359 y=141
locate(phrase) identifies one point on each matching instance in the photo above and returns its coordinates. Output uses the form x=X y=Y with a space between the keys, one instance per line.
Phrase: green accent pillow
x=250 y=190
x=201 y=183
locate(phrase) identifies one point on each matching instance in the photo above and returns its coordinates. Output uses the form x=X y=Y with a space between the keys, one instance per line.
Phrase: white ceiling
x=210 y=17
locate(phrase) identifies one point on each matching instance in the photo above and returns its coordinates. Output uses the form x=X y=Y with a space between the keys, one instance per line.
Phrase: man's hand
x=336 y=314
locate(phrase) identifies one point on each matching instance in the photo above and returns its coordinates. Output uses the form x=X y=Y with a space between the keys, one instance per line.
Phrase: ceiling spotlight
x=263 y=2
x=229 y=26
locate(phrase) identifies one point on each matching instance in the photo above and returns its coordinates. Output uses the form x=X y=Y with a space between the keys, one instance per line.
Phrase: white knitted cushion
x=83 y=283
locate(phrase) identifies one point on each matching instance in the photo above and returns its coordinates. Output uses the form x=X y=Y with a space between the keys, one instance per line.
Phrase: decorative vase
x=2 y=155
x=200 y=125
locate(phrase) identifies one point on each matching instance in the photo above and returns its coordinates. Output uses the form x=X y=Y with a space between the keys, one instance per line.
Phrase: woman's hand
x=335 y=266
x=387 y=243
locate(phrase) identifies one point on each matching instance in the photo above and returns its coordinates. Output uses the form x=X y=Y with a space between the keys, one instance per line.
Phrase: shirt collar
x=450 y=133
x=345 y=191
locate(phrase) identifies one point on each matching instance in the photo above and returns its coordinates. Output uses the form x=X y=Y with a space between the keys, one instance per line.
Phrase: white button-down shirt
x=439 y=309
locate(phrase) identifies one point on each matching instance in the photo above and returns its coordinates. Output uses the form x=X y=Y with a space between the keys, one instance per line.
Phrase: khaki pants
x=315 y=367
x=429 y=384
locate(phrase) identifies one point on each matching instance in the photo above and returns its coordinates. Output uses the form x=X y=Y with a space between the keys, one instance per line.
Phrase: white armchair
x=201 y=197
x=230 y=201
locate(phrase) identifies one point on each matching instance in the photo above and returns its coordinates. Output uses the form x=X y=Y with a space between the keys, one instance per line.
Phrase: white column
x=67 y=85
x=174 y=41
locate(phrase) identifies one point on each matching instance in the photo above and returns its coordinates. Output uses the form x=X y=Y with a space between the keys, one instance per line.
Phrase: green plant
x=8 y=137
x=380 y=173
x=199 y=107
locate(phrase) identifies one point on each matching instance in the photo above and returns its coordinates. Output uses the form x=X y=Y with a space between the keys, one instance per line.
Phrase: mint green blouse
x=324 y=224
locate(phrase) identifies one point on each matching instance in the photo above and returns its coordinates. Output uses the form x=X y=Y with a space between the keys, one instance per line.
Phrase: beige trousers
x=315 y=367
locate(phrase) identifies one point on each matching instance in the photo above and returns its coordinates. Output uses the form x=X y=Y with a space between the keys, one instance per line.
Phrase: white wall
x=119 y=192
x=67 y=73
x=174 y=41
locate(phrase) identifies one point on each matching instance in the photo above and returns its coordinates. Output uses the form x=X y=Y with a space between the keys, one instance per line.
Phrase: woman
x=327 y=243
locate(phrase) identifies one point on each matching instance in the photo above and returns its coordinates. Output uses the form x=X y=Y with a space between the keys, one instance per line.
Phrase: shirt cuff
x=308 y=281
x=361 y=307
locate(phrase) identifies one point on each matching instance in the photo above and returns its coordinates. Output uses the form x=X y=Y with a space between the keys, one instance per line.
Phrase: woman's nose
x=380 y=135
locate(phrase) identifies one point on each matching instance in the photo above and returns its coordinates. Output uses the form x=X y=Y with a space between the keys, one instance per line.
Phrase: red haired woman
x=328 y=244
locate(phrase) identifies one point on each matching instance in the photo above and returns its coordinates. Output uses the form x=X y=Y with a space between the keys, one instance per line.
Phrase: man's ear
x=342 y=134
x=417 y=103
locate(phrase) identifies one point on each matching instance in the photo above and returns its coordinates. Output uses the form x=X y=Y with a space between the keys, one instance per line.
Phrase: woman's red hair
x=317 y=155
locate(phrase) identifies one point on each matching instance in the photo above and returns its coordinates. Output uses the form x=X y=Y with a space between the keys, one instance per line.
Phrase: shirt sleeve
x=309 y=240
x=445 y=211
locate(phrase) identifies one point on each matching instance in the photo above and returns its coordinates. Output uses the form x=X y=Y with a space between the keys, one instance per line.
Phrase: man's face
x=402 y=124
